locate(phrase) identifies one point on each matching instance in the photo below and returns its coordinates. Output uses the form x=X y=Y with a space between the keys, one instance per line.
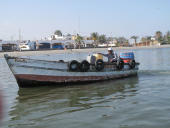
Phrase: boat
x=33 y=72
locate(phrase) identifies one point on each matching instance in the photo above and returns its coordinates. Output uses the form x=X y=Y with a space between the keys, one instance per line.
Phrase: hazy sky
x=40 y=18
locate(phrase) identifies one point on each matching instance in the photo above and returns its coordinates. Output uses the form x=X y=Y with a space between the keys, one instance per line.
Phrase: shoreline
x=44 y=52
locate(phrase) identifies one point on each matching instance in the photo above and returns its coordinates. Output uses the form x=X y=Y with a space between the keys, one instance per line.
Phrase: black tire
x=132 y=64
x=84 y=66
x=61 y=61
x=99 y=65
x=120 y=64
x=73 y=66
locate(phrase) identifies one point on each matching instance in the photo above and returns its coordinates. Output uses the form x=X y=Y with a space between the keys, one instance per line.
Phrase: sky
x=40 y=18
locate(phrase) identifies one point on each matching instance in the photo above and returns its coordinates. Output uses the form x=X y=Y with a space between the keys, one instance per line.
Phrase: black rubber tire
x=84 y=66
x=120 y=64
x=73 y=66
x=61 y=61
x=132 y=64
x=99 y=65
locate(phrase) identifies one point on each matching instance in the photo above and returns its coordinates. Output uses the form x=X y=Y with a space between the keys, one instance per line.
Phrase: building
x=8 y=45
x=63 y=37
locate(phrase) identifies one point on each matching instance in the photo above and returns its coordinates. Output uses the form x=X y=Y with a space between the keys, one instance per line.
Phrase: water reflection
x=37 y=104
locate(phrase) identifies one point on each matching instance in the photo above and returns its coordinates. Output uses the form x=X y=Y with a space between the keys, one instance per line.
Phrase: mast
x=79 y=24
x=19 y=35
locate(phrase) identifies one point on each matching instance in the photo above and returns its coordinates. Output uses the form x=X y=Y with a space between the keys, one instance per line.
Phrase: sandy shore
x=32 y=53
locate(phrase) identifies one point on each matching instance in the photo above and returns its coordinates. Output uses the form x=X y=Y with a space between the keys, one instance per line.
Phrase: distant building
x=88 y=43
x=8 y=45
x=56 y=37
x=63 y=37
x=67 y=41
x=102 y=45
x=73 y=37
x=112 y=43
x=150 y=42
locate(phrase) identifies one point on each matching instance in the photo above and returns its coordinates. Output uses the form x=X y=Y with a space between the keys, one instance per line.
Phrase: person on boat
x=111 y=55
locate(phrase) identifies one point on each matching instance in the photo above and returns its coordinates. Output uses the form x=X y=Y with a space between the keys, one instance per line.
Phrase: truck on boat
x=33 y=72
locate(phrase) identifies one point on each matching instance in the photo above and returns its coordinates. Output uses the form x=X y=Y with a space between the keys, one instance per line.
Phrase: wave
x=154 y=72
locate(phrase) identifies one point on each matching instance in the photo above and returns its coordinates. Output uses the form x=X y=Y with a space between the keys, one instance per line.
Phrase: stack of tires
x=95 y=60
x=128 y=58
x=76 y=66
x=84 y=66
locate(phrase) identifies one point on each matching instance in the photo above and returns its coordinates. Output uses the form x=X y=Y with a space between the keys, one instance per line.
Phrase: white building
x=57 y=37
x=112 y=43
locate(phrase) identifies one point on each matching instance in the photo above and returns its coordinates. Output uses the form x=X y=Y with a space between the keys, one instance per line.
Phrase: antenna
x=19 y=35
x=79 y=24
x=12 y=38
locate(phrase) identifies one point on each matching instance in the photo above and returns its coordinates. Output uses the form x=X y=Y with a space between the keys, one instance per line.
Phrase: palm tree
x=135 y=39
x=58 y=32
x=110 y=38
x=148 y=40
x=116 y=40
x=143 y=39
x=102 y=39
x=167 y=36
x=122 y=41
x=158 y=36
x=94 y=37
x=78 y=40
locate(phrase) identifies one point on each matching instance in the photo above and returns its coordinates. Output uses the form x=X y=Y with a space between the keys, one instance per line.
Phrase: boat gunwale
x=12 y=57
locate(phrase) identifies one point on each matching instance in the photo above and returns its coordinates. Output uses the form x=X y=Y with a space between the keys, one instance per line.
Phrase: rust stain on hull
x=25 y=80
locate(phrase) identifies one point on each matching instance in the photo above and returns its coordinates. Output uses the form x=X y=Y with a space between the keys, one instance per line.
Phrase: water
x=136 y=102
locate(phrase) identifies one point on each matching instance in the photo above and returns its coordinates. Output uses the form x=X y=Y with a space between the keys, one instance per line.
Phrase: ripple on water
x=136 y=102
